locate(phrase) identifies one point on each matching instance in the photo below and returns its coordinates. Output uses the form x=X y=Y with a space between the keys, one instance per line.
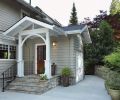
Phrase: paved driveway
x=92 y=88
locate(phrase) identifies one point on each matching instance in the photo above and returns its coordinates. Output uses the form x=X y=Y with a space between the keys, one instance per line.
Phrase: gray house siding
x=62 y=53
x=5 y=63
x=9 y=15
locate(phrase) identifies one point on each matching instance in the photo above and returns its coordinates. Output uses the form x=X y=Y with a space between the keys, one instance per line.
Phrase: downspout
x=69 y=53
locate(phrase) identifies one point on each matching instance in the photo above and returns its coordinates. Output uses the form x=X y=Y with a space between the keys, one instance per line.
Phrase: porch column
x=20 y=62
x=47 y=61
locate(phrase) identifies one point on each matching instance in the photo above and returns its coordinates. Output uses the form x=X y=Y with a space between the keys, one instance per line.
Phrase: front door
x=41 y=56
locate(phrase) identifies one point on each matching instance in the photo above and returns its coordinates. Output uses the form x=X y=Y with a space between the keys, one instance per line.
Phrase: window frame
x=8 y=51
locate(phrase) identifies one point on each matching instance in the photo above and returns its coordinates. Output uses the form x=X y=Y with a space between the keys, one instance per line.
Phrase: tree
x=102 y=44
x=73 y=19
x=115 y=7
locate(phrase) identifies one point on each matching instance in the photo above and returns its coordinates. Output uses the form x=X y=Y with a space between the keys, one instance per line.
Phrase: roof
x=74 y=27
x=78 y=29
x=27 y=22
x=38 y=11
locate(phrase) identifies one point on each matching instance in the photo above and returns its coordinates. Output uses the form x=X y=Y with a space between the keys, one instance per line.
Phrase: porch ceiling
x=27 y=23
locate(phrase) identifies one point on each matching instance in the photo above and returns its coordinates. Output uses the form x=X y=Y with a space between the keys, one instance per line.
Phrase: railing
x=8 y=76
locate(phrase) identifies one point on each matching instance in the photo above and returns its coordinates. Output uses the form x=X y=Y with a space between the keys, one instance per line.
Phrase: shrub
x=113 y=60
x=113 y=80
x=66 y=71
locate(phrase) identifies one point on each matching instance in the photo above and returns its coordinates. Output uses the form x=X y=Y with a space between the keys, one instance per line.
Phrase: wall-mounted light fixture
x=54 y=43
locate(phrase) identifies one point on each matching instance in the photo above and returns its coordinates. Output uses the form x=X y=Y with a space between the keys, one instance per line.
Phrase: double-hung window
x=3 y=51
x=7 y=51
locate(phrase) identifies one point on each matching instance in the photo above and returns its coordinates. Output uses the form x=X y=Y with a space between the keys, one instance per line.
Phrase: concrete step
x=29 y=89
x=36 y=84
x=32 y=84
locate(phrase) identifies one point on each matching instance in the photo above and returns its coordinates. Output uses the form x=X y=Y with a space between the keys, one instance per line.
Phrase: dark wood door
x=41 y=56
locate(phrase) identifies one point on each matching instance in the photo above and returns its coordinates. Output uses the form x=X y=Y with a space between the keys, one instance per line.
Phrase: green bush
x=113 y=60
x=66 y=71
x=43 y=77
x=113 y=80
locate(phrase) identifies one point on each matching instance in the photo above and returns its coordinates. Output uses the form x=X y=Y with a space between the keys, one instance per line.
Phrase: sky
x=61 y=9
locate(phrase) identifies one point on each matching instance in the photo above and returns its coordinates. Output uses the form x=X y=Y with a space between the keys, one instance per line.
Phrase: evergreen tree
x=115 y=7
x=73 y=19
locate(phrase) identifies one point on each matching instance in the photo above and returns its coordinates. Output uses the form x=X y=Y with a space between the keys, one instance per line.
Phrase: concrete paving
x=92 y=88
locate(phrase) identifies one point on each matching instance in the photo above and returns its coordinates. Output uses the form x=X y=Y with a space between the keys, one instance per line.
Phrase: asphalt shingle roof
x=73 y=27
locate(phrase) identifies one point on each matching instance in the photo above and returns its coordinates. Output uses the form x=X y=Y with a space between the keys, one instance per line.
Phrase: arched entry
x=34 y=55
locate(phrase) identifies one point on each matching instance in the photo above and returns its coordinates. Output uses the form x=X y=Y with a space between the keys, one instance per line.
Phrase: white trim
x=34 y=21
x=7 y=43
x=8 y=60
x=36 y=45
x=77 y=31
x=33 y=31
x=8 y=51
x=73 y=32
x=13 y=27
x=32 y=35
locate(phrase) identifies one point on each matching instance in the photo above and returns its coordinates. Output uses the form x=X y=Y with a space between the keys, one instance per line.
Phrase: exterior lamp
x=54 y=43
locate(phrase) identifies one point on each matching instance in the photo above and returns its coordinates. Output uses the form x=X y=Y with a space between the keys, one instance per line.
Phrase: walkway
x=92 y=88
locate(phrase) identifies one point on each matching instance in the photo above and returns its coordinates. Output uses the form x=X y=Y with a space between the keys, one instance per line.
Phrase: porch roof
x=26 y=22
x=78 y=29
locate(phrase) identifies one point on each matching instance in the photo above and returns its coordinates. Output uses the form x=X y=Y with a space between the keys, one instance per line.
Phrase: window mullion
x=8 y=51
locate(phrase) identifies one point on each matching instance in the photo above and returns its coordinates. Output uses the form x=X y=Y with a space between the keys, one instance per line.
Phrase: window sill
x=8 y=60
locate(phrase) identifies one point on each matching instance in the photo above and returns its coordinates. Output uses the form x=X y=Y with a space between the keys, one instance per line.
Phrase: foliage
x=97 y=20
x=115 y=7
x=73 y=19
x=66 y=71
x=113 y=80
x=113 y=60
x=43 y=77
x=101 y=44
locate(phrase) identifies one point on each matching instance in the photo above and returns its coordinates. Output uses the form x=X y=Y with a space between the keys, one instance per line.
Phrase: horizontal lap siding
x=4 y=64
x=62 y=54
x=9 y=15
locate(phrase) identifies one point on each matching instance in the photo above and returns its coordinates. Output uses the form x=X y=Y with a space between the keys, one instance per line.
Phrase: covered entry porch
x=39 y=35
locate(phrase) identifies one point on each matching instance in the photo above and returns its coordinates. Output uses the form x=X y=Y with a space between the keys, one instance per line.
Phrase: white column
x=20 y=62
x=47 y=61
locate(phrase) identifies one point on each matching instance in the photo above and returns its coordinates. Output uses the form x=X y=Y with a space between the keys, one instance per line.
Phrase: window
x=3 y=51
x=7 y=52
x=12 y=52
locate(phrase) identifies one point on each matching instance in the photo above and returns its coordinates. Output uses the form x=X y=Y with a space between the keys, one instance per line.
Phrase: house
x=35 y=41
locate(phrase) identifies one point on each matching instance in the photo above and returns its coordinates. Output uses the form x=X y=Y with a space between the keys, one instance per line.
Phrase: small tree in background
x=73 y=19
x=115 y=7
